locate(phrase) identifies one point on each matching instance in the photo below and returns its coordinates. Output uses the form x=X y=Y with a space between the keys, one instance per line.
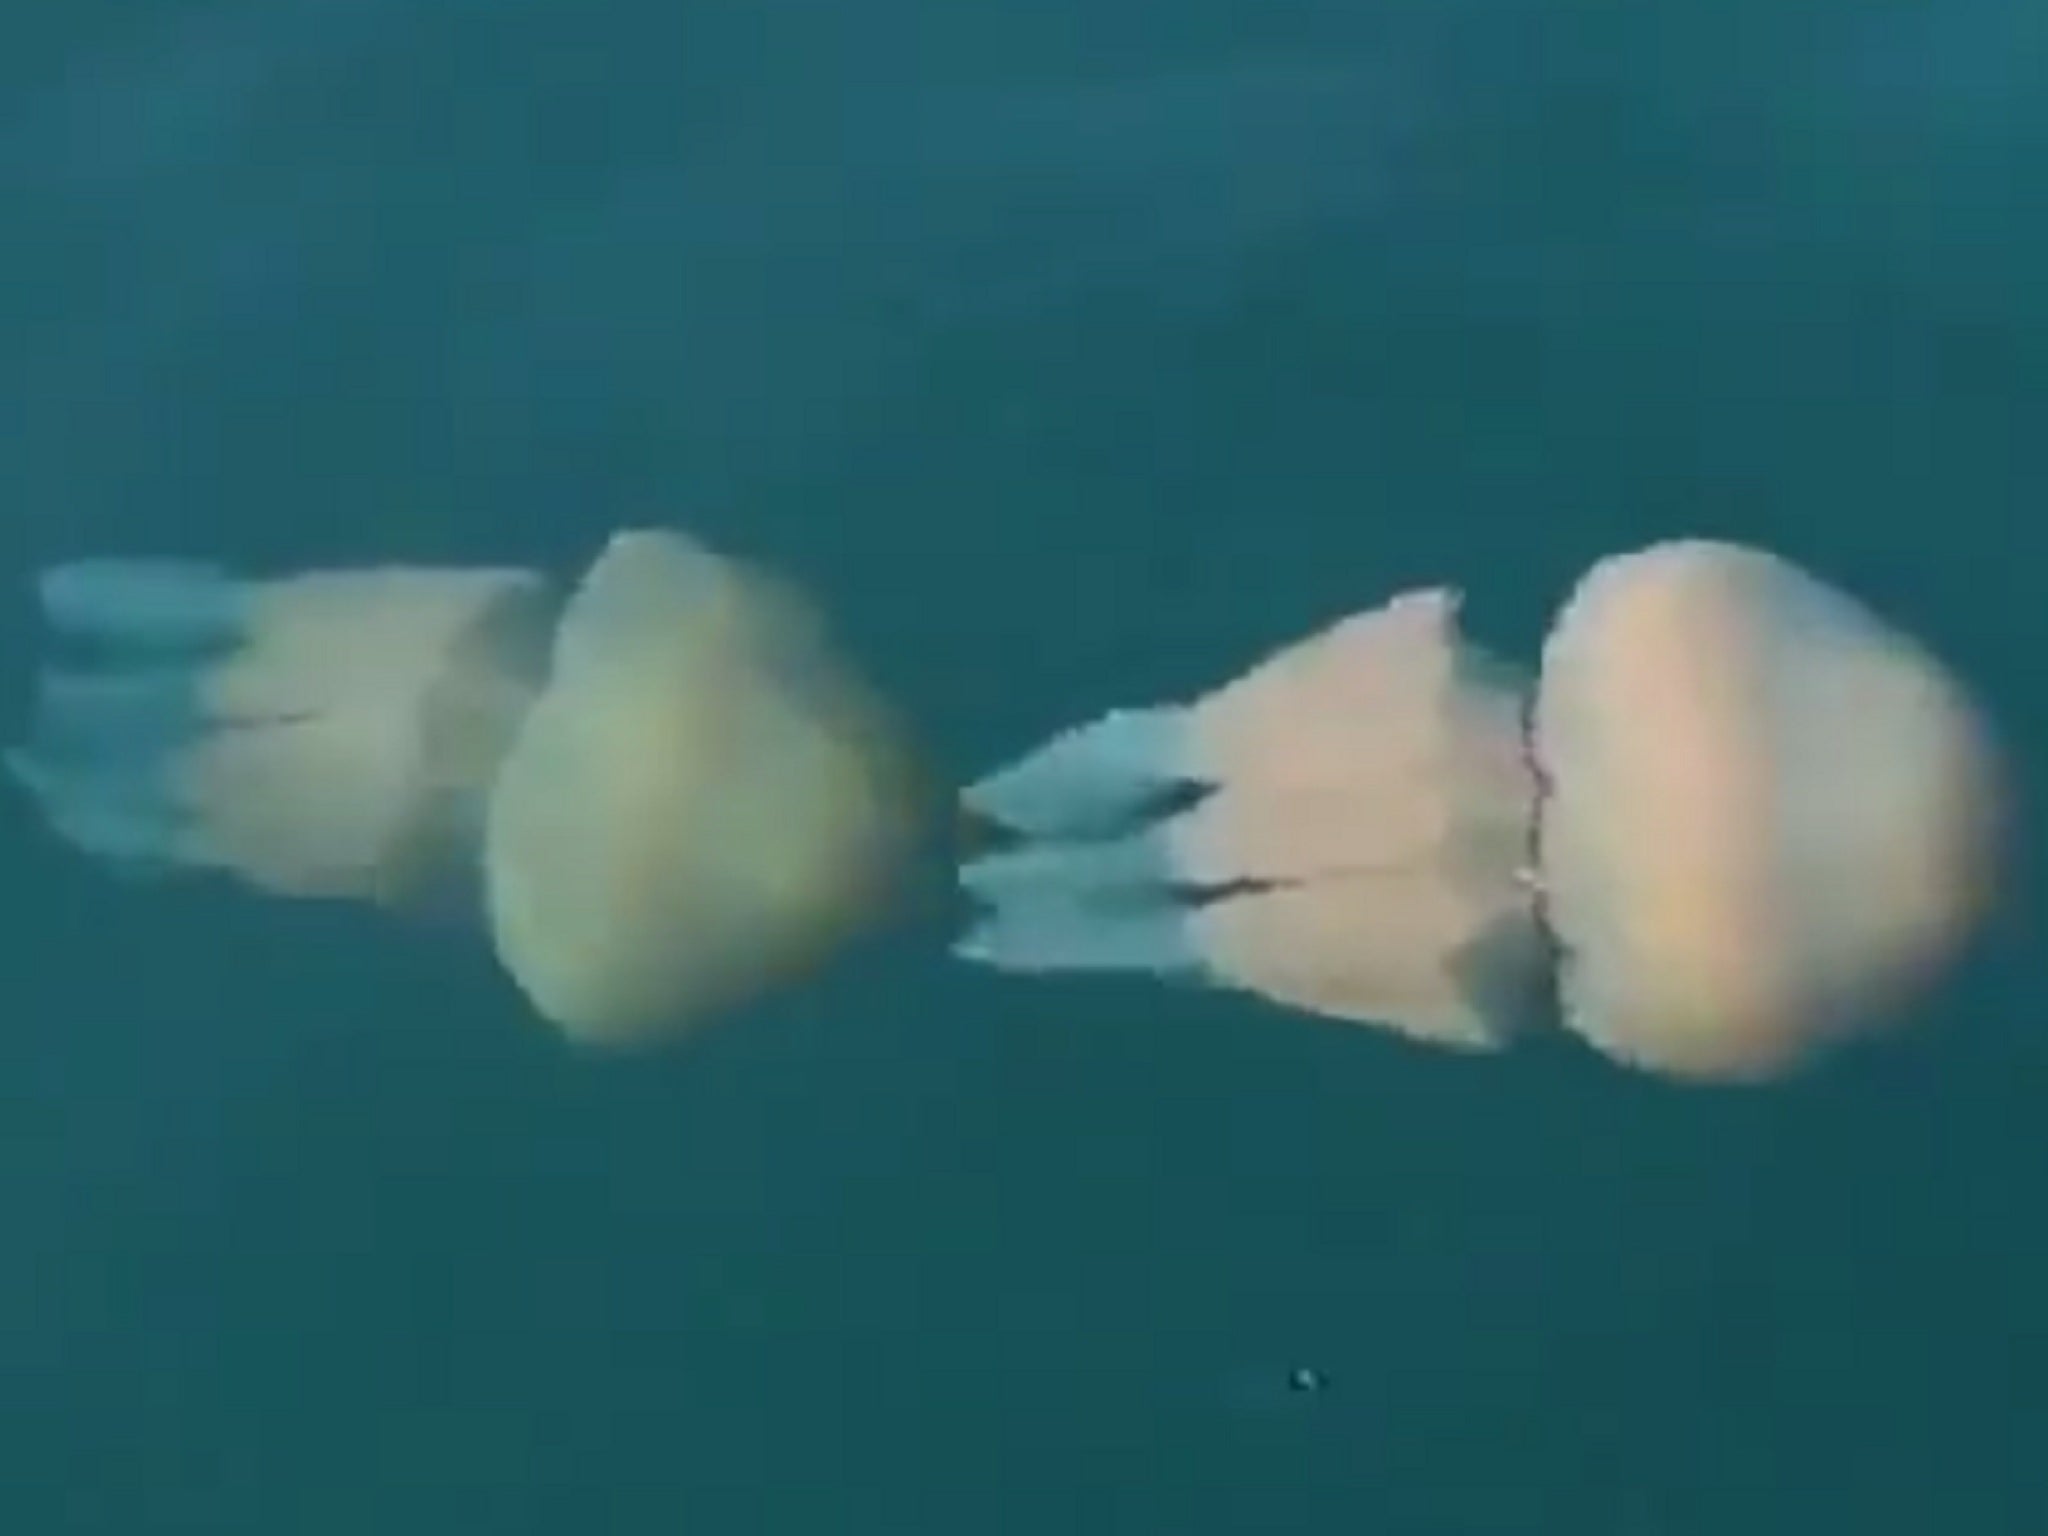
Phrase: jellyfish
x=1735 y=820
x=656 y=793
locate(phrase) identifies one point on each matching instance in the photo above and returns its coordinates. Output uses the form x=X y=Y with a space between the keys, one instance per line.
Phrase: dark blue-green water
x=1074 y=353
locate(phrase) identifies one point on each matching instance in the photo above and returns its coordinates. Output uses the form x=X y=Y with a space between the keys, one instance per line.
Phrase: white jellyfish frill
x=1415 y=914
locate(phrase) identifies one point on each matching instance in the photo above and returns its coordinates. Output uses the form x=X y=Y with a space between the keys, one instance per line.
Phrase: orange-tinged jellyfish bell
x=1772 y=819
x=1746 y=817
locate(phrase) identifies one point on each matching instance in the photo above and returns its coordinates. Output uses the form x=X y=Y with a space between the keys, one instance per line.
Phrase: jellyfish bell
x=1744 y=817
x=658 y=794
x=700 y=799
x=1770 y=818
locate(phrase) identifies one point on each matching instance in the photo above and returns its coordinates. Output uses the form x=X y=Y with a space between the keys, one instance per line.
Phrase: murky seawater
x=1073 y=354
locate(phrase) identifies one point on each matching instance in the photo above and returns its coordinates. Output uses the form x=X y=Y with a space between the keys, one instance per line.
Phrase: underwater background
x=1073 y=354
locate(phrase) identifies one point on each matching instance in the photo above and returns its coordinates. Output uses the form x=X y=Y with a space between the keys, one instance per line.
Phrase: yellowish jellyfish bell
x=1746 y=817
x=659 y=794
x=700 y=800
x=1770 y=820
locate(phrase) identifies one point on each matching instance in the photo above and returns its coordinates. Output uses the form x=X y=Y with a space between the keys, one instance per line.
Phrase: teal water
x=1073 y=354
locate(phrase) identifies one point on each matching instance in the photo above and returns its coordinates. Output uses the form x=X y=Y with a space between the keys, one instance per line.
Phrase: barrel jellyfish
x=657 y=792
x=1737 y=818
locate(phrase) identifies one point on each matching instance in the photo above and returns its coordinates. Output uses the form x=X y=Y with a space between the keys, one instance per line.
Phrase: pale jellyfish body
x=1744 y=815
x=655 y=793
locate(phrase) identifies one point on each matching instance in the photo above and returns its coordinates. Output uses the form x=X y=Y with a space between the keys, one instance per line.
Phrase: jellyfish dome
x=1769 y=817
x=700 y=799
x=657 y=793
x=1744 y=816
